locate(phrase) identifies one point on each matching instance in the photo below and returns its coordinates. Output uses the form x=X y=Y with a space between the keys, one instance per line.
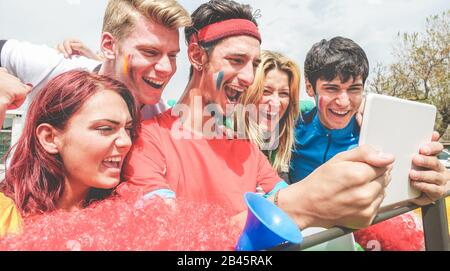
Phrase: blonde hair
x=271 y=61
x=121 y=15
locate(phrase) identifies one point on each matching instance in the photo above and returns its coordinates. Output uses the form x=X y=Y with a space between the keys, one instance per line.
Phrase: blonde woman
x=275 y=92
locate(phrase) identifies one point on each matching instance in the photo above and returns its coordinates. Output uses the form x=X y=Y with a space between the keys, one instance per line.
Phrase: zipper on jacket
x=328 y=148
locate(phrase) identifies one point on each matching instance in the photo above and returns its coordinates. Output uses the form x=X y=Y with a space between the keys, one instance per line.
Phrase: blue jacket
x=315 y=144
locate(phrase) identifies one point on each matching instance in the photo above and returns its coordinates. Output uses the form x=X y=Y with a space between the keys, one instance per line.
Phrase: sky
x=290 y=27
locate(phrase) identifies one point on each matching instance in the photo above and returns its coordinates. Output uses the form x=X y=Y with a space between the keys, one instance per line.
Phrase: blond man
x=140 y=42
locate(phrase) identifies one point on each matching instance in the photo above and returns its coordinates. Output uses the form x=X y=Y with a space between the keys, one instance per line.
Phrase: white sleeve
x=35 y=63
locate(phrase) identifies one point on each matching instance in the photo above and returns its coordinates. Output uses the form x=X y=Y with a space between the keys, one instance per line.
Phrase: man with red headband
x=186 y=153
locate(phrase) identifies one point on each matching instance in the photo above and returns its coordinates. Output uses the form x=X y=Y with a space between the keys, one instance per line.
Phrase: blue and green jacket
x=315 y=144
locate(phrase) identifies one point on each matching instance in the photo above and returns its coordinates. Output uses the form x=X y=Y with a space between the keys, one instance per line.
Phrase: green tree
x=420 y=71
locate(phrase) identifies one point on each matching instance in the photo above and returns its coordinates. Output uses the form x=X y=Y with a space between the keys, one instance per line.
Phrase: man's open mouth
x=339 y=113
x=233 y=94
x=153 y=83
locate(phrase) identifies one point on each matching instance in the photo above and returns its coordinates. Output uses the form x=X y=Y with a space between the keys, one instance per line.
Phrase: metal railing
x=434 y=217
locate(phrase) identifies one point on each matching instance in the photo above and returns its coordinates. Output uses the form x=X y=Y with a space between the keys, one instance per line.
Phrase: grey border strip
x=435 y=226
x=434 y=222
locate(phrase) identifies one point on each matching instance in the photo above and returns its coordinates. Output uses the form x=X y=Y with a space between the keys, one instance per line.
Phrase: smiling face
x=146 y=59
x=233 y=63
x=95 y=141
x=337 y=101
x=275 y=99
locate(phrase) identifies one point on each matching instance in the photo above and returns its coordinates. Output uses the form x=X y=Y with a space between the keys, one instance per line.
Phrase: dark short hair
x=337 y=57
x=216 y=11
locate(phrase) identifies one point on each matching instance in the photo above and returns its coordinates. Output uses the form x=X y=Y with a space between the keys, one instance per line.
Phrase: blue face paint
x=218 y=77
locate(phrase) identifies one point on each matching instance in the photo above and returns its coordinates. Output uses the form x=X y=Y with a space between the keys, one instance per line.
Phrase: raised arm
x=12 y=92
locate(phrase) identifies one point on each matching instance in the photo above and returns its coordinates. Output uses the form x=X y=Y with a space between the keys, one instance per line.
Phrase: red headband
x=227 y=28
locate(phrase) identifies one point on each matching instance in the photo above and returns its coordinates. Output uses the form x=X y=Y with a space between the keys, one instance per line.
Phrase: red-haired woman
x=78 y=131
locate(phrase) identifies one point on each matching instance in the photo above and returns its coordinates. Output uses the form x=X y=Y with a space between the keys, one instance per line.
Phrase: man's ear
x=108 y=46
x=309 y=88
x=197 y=56
x=48 y=137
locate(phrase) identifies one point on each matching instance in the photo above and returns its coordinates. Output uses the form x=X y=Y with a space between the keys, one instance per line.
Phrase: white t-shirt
x=37 y=64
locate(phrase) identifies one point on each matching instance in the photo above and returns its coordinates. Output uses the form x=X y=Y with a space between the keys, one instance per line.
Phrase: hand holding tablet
x=400 y=127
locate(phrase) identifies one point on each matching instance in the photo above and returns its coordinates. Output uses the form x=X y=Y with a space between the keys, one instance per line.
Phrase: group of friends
x=96 y=126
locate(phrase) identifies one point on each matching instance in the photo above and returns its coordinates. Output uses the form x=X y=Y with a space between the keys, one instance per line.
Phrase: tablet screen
x=400 y=127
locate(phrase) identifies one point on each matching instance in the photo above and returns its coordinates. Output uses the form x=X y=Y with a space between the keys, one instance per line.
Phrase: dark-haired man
x=335 y=72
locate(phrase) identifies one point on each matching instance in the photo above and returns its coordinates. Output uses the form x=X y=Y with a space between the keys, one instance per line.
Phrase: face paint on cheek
x=218 y=78
x=127 y=64
x=320 y=106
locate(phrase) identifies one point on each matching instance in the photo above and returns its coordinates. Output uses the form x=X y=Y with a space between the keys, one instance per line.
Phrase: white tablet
x=400 y=127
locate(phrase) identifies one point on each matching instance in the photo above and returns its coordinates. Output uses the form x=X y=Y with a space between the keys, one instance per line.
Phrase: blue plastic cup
x=267 y=226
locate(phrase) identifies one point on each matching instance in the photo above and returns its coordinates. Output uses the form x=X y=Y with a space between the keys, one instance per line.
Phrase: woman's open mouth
x=112 y=162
